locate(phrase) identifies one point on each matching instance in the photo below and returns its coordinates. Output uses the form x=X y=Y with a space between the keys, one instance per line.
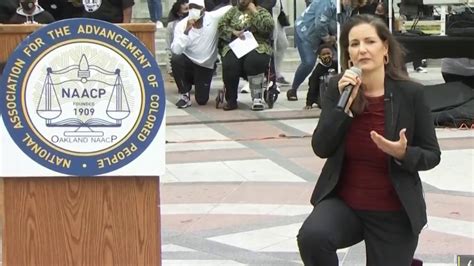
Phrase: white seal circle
x=83 y=98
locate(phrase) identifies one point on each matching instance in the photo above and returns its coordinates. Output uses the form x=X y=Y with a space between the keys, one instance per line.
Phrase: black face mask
x=28 y=5
x=325 y=59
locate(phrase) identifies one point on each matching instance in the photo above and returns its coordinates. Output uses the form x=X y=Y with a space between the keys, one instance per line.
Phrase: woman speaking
x=375 y=144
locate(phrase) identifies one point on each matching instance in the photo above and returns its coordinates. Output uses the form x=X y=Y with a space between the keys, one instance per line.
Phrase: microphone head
x=356 y=71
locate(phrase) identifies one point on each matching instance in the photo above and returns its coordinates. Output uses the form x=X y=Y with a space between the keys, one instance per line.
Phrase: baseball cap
x=197 y=2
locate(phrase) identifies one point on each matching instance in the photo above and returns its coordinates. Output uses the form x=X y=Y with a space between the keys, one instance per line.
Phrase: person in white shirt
x=194 y=49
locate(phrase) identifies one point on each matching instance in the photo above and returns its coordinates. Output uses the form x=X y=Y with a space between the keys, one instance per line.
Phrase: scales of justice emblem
x=86 y=119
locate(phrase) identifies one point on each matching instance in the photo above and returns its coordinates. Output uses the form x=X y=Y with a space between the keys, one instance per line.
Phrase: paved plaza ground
x=238 y=184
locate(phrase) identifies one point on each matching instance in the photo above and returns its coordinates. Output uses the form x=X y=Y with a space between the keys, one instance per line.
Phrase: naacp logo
x=91 y=5
x=83 y=97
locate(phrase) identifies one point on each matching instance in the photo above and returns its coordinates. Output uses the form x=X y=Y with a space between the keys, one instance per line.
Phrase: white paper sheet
x=242 y=47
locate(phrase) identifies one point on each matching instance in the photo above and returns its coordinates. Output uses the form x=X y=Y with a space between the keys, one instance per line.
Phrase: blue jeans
x=308 y=59
x=155 y=9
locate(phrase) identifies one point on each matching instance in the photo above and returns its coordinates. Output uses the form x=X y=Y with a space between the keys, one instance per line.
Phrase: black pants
x=313 y=87
x=186 y=73
x=233 y=68
x=333 y=225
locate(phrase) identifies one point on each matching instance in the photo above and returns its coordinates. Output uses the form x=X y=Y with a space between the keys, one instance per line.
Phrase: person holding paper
x=194 y=49
x=246 y=21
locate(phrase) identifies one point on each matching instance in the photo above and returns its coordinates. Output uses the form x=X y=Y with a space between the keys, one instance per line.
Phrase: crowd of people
x=48 y=11
x=204 y=36
x=198 y=36
x=315 y=27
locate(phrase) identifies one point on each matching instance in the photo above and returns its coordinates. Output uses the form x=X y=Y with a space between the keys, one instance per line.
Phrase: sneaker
x=291 y=95
x=424 y=63
x=282 y=81
x=421 y=70
x=257 y=105
x=184 y=101
x=310 y=106
x=159 y=25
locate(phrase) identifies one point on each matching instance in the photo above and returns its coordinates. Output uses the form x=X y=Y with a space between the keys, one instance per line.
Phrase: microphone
x=347 y=91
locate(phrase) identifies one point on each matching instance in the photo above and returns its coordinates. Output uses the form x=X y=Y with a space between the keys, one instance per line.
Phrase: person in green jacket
x=245 y=17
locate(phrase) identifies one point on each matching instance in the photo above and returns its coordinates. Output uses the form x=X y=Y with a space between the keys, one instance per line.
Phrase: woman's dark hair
x=174 y=11
x=395 y=68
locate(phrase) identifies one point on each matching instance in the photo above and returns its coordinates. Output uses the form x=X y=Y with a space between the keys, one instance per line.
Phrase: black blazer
x=405 y=107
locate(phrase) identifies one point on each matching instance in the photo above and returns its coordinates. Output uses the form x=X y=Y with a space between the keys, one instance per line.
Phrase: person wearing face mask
x=29 y=12
x=194 y=49
x=246 y=16
x=324 y=63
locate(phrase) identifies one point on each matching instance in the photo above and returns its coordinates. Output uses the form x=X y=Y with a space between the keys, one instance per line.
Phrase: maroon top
x=365 y=183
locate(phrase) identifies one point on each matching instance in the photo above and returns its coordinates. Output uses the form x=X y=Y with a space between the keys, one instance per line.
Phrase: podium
x=99 y=220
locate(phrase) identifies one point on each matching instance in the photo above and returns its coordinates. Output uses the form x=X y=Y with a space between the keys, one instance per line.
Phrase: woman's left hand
x=396 y=149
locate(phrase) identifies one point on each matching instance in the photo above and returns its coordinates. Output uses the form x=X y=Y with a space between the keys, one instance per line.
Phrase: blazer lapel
x=392 y=108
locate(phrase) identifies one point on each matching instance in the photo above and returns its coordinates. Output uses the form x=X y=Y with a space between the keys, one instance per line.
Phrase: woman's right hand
x=239 y=34
x=349 y=78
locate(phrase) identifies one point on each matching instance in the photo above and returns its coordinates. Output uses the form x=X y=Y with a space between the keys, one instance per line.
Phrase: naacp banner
x=82 y=97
